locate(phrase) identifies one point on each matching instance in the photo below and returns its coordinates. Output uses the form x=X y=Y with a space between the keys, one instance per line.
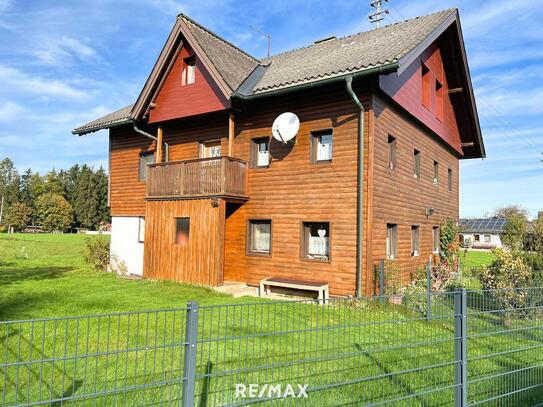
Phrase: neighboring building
x=482 y=233
x=201 y=193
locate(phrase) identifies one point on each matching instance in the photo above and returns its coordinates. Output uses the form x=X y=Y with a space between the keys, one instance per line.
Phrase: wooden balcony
x=206 y=177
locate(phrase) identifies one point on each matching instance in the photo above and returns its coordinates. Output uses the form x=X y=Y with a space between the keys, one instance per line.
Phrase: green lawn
x=474 y=259
x=377 y=351
x=44 y=275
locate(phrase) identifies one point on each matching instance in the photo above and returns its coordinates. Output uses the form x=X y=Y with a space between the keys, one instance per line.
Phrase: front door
x=210 y=170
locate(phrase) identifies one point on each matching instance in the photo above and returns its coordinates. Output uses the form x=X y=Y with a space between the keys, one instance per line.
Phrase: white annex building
x=482 y=233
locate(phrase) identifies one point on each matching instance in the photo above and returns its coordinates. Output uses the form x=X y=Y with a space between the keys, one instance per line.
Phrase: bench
x=319 y=287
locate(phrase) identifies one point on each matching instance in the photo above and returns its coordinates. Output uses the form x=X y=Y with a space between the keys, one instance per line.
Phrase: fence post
x=189 y=368
x=460 y=348
x=429 y=289
x=382 y=279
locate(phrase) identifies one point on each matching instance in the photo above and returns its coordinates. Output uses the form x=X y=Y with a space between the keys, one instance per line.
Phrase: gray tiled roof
x=117 y=117
x=334 y=57
x=348 y=54
x=233 y=64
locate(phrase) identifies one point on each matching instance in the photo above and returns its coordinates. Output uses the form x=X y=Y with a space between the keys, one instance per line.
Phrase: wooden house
x=201 y=193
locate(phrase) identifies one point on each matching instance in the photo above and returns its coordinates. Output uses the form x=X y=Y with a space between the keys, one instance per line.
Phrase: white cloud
x=33 y=84
x=60 y=51
x=9 y=111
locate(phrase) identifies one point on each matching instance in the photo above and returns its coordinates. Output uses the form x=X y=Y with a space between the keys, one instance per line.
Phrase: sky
x=64 y=63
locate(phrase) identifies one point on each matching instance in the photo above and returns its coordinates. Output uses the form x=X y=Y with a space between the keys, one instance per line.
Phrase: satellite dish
x=285 y=127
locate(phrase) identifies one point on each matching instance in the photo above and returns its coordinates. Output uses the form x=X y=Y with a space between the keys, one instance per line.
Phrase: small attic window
x=426 y=87
x=188 y=76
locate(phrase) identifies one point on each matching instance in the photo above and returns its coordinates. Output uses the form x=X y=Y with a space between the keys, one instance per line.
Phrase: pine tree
x=102 y=189
x=87 y=199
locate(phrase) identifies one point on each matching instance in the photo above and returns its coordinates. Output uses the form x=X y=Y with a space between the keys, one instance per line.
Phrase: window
x=426 y=94
x=415 y=247
x=210 y=149
x=436 y=173
x=416 y=164
x=321 y=146
x=477 y=238
x=449 y=179
x=487 y=238
x=392 y=241
x=316 y=241
x=182 y=229
x=260 y=152
x=391 y=152
x=259 y=241
x=435 y=239
x=145 y=160
x=189 y=71
x=141 y=229
x=439 y=100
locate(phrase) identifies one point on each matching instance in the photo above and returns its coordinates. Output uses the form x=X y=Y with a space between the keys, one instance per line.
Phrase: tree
x=18 y=216
x=506 y=211
x=9 y=182
x=87 y=199
x=101 y=184
x=515 y=227
x=54 y=212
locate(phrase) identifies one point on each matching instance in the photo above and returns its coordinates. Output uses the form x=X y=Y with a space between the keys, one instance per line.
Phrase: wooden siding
x=127 y=192
x=292 y=190
x=406 y=90
x=398 y=197
x=200 y=261
x=175 y=100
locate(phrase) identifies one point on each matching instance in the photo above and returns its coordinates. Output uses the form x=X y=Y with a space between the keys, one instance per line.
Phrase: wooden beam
x=456 y=90
x=468 y=144
x=230 y=134
x=159 y=144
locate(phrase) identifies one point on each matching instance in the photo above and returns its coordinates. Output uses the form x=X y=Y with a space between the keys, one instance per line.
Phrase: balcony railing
x=220 y=176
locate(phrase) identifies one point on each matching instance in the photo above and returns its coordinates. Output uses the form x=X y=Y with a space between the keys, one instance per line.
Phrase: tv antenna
x=377 y=16
x=265 y=35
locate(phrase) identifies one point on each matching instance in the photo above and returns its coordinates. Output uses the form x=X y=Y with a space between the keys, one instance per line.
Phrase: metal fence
x=476 y=348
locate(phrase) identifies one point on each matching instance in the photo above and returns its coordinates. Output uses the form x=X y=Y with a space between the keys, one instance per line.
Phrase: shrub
x=504 y=276
x=415 y=297
x=393 y=278
x=97 y=253
x=449 y=242
x=18 y=216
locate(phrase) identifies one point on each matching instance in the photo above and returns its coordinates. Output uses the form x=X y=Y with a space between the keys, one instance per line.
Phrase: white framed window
x=260 y=152
x=322 y=146
x=416 y=164
x=260 y=237
x=141 y=229
x=316 y=241
x=145 y=159
x=487 y=239
x=415 y=245
x=477 y=238
x=189 y=71
x=392 y=241
x=436 y=239
x=391 y=152
x=436 y=173
x=210 y=149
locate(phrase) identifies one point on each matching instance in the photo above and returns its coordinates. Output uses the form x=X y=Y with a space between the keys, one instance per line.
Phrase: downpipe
x=148 y=135
x=359 y=186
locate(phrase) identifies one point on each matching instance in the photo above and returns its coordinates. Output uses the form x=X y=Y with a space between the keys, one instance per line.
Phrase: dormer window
x=189 y=71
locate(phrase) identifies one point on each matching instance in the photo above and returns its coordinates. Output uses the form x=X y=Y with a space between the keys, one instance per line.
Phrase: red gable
x=177 y=99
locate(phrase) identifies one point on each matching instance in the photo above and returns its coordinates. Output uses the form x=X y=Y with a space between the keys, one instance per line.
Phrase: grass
x=45 y=276
x=474 y=259
x=375 y=351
